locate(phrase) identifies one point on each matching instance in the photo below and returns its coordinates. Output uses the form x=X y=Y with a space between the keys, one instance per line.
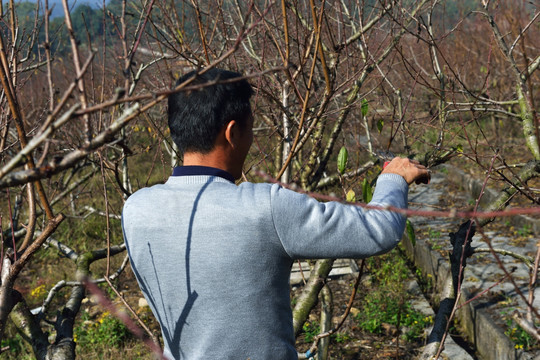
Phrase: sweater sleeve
x=311 y=229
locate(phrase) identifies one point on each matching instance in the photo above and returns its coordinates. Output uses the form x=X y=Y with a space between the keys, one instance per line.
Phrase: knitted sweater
x=213 y=259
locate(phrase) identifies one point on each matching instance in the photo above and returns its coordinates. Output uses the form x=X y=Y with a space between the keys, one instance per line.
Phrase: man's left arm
x=310 y=229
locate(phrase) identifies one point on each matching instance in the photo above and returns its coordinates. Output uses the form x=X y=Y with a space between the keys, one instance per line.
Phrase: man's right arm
x=410 y=170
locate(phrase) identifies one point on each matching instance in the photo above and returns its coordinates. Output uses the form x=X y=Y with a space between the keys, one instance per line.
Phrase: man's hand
x=411 y=170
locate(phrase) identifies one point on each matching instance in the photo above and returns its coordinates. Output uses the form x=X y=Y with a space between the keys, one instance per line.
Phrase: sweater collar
x=194 y=170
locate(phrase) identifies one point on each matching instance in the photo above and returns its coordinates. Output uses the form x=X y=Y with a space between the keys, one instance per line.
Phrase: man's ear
x=232 y=133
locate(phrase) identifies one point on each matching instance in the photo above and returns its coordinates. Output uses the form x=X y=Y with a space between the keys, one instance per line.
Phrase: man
x=213 y=259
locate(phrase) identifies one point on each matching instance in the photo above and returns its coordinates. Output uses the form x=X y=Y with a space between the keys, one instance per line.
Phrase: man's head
x=197 y=117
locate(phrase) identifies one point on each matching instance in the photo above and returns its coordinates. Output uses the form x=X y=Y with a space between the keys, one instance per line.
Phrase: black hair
x=197 y=116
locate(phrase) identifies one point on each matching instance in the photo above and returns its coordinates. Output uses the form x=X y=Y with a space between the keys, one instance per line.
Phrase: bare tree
x=82 y=114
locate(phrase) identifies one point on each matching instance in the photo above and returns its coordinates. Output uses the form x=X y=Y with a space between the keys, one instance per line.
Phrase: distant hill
x=58 y=10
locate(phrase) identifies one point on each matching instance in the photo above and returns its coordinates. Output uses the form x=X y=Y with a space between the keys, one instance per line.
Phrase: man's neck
x=213 y=159
x=197 y=170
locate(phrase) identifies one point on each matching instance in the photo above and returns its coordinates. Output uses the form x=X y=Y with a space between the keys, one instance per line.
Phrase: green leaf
x=410 y=232
x=380 y=124
x=483 y=69
x=367 y=191
x=180 y=37
x=342 y=159
x=365 y=107
x=351 y=196
x=459 y=149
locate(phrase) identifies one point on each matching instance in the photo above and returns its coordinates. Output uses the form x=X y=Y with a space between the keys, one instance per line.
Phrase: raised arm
x=310 y=229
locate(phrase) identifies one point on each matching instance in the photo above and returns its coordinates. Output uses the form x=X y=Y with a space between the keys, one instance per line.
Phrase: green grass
x=105 y=330
x=525 y=230
x=18 y=347
x=387 y=301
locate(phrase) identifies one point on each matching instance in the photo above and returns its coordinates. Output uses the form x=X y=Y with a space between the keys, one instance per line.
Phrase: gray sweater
x=213 y=259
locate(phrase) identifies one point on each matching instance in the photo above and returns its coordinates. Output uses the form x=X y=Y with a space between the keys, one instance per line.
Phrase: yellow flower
x=103 y=316
x=37 y=292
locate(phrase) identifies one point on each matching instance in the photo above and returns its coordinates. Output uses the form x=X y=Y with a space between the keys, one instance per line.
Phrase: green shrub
x=16 y=348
